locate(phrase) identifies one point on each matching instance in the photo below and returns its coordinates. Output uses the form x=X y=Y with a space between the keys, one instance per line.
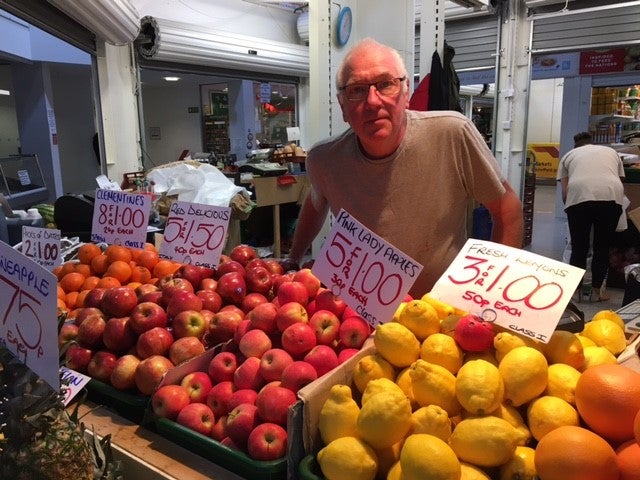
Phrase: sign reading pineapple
x=28 y=324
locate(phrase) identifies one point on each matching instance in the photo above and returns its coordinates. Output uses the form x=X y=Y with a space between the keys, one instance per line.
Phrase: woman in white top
x=592 y=192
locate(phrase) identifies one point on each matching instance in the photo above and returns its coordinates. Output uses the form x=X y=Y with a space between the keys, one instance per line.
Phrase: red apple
x=255 y=262
x=273 y=404
x=247 y=375
x=273 y=362
x=293 y=292
x=232 y=287
x=153 y=297
x=218 y=398
x=147 y=315
x=242 y=395
x=90 y=331
x=219 y=430
x=145 y=288
x=209 y=284
x=94 y=297
x=86 y=312
x=323 y=358
x=279 y=279
x=222 y=366
x=326 y=326
x=197 y=385
x=298 y=339
x=198 y=417
x=181 y=301
x=297 y=375
x=156 y=341
x=118 y=334
x=223 y=326
x=191 y=273
x=267 y=441
x=326 y=300
x=311 y=307
x=123 y=376
x=184 y=349
x=170 y=286
x=473 y=333
x=101 y=365
x=353 y=332
x=168 y=400
x=290 y=313
x=119 y=301
x=77 y=358
x=243 y=327
x=309 y=280
x=273 y=266
x=258 y=280
x=211 y=300
x=189 y=323
x=252 y=300
x=263 y=317
x=240 y=422
x=254 y=343
x=346 y=353
x=232 y=308
x=228 y=267
x=68 y=333
x=243 y=254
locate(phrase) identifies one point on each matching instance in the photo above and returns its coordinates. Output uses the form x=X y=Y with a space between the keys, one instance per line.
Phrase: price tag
x=516 y=289
x=369 y=274
x=28 y=323
x=195 y=233
x=120 y=218
x=72 y=383
x=42 y=245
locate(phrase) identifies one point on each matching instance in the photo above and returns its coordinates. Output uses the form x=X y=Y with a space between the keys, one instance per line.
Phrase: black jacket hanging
x=444 y=85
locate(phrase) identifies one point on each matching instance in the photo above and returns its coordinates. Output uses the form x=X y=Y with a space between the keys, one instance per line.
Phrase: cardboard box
x=634 y=216
x=270 y=192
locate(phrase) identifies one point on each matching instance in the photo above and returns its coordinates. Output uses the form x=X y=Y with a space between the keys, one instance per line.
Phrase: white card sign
x=42 y=245
x=72 y=383
x=195 y=233
x=28 y=323
x=518 y=290
x=120 y=218
x=368 y=273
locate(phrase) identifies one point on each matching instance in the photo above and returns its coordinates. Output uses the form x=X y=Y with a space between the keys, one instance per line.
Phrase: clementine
x=119 y=269
x=87 y=251
x=140 y=274
x=164 y=267
x=81 y=296
x=72 y=299
x=108 y=282
x=629 y=460
x=61 y=292
x=71 y=282
x=90 y=282
x=99 y=264
x=117 y=252
x=608 y=400
x=148 y=259
x=82 y=268
x=575 y=453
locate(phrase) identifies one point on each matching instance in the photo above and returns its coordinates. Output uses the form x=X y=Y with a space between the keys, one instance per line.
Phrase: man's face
x=378 y=120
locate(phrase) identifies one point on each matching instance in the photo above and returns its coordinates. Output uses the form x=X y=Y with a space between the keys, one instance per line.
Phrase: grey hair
x=366 y=44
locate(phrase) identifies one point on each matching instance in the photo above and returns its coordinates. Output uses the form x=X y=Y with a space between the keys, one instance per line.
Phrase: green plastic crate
x=130 y=405
x=309 y=469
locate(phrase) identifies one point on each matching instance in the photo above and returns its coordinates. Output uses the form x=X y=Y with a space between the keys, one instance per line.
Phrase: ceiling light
x=171 y=79
x=4 y=92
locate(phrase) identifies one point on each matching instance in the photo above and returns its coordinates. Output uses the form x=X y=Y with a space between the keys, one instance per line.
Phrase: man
x=408 y=176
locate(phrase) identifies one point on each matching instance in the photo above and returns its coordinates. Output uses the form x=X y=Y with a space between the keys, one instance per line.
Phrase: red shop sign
x=602 y=61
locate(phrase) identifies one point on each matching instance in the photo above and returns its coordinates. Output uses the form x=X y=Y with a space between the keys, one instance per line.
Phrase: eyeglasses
x=356 y=92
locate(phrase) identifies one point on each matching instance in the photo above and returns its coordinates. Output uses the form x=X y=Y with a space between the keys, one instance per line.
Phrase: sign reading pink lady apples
x=195 y=233
x=120 y=218
x=28 y=325
x=516 y=289
x=369 y=274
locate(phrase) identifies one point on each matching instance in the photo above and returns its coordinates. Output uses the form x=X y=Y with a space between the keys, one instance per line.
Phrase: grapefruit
x=629 y=460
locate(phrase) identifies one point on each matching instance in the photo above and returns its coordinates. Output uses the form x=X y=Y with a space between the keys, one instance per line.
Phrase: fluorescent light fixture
x=171 y=79
x=472 y=3
x=114 y=21
x=175 y=42
x=5 y=92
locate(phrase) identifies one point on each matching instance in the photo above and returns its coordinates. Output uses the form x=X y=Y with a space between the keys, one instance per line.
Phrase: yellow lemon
x=417 y=459
x=396 y=314
x=606 y=333
x=442 y=350
x=397 y=344
x=338 y=415
x=395 y=472
x=378 y=385
x=609 y=315
x=385 y=419
x=348 y=458
x=434 y=385
x=479 y=387
x=448 y=324
x=564 y=347
x=443 y=309
x=547 y=413
x=420 y=317
x=485 y=441
x=433 y=420
x=512 y=415
x=471 y=472
x=598 y=356
x=521 y=465
x=370 y=367
x=403 y=380
x=524 y=371
x=586 y=342
x=488 y=355
x=387 y=458
x=562 y=380
x=506 y=341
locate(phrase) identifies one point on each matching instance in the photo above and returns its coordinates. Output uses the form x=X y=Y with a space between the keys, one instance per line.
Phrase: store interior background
x=171 y=124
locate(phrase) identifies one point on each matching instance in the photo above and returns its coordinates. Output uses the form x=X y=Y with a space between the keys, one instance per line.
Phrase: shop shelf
x=130 y=405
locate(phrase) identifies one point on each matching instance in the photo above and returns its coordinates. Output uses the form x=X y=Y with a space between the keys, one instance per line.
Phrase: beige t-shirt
x=417 y=198
x=594 y=173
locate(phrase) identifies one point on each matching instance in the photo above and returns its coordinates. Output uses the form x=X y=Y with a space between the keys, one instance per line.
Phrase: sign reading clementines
x=368 y=273
x=516 y=289
x=120 y=218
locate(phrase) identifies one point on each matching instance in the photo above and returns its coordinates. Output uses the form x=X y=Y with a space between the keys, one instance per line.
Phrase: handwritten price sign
x=120 y=218
x=195 y=233
x=42 y=245
x=518 y=290
x=28 y=323
x=369 y=274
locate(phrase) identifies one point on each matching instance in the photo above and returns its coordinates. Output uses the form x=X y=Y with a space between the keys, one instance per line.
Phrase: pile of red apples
x=279 y=331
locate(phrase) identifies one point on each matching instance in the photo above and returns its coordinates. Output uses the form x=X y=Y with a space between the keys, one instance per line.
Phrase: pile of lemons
x=420 y=407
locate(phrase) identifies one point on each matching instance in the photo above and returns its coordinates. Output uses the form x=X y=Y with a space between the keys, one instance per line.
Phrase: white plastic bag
x=622 y=221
